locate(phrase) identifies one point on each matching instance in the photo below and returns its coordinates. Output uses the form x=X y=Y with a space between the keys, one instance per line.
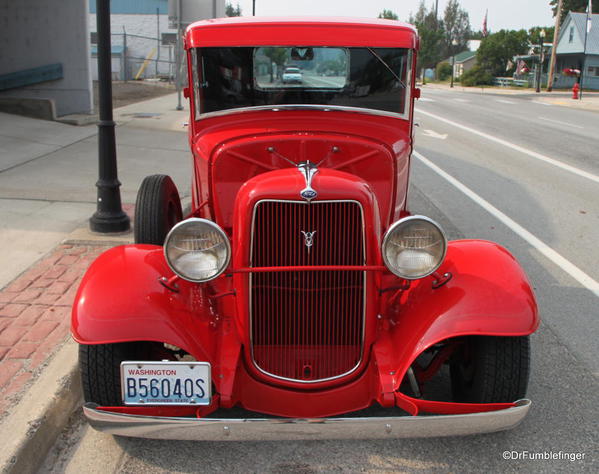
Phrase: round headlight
x=414 y=247
x=197 y=250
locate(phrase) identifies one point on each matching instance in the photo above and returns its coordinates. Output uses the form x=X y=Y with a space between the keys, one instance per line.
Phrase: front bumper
x=274 y=429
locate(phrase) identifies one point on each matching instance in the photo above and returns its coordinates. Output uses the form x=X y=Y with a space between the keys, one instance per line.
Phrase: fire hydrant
x=575 y=90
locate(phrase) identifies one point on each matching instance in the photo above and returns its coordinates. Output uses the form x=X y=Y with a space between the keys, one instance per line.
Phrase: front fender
x=120 y=299
x=488 y=294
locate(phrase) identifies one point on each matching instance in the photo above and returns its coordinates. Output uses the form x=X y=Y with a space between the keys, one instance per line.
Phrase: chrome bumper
x=274 y=429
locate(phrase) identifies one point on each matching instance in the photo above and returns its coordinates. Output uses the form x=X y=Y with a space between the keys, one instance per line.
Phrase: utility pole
x=558 y=15
x=109 y=215
x=587 y=29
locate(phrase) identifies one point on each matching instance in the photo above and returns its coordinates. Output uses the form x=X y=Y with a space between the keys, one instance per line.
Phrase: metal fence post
x=125 y=75
x=178 y=57
x=157 y=39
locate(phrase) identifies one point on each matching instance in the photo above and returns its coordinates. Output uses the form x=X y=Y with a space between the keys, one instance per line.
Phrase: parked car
x=291 y=75
x=299 y=287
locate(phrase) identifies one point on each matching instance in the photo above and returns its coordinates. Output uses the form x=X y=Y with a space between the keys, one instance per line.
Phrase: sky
x=503 y=14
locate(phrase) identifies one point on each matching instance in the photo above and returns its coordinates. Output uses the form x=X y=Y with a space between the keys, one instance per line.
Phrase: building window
x=571 y=34
x=594 y=71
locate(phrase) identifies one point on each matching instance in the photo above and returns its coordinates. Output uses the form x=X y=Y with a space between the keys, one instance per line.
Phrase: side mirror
x=416 y=92
x=186 y=92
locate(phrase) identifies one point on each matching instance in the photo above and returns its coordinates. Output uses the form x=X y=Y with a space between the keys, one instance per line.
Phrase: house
x=570 y=51
x=462 y=62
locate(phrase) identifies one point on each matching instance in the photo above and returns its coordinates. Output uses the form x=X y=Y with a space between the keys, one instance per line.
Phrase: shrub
x=443 y=71
x=476 y=76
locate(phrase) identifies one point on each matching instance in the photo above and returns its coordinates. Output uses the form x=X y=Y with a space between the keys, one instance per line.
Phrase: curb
x=28 y=433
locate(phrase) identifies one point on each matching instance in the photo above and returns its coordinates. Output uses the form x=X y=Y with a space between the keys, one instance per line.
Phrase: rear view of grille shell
x=307 y=326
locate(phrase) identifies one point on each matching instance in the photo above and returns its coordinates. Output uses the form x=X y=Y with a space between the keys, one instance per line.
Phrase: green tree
x=534 y=34
x=443 y=71
x=456 y=23
x=231 y=10
x=498 y=48
x=477 y=76
x=573 y=6
x=388 y=15
x=430 y=31
x=278 y=56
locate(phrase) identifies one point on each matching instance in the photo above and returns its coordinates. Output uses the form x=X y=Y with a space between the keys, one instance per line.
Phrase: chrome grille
x=307 y=326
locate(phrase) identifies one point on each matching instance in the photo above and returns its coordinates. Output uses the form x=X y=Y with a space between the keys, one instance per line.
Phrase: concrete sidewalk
x=47 y=194
x=589 y=101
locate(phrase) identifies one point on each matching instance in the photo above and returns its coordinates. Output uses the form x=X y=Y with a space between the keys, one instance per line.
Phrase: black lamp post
x=109 y=215
x=454 y=43
x=540 y=65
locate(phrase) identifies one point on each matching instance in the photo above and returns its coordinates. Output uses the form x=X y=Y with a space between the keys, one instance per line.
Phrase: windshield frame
x=198 y=61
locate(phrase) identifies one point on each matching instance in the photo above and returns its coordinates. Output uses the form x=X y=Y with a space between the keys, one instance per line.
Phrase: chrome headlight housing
x=197 y=250
x=414 y=247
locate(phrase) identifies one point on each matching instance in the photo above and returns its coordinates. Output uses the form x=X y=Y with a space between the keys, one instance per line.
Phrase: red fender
x=488 y=294
x=120 y=299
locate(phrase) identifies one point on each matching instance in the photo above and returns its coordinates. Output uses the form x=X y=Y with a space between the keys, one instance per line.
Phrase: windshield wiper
x=382 y=61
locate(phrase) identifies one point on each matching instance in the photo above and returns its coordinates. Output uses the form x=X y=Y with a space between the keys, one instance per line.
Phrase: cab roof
x=301 y=31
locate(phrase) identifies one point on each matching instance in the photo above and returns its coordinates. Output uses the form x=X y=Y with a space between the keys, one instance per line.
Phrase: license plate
x=165 y=383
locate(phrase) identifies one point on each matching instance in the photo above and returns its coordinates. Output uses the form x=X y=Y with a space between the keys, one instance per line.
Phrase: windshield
x=370 y=78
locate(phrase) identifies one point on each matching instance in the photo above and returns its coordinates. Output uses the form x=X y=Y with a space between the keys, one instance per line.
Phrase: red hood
x=229 y=150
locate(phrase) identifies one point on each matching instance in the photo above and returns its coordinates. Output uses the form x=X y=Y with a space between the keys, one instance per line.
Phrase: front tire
x=490 y=369
x=100 y=367
x=157 y=209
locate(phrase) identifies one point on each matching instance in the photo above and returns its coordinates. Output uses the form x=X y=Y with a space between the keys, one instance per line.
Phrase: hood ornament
x=308 y=170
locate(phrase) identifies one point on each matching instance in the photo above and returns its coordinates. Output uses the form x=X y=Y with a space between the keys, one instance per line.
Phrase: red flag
x=485 y=32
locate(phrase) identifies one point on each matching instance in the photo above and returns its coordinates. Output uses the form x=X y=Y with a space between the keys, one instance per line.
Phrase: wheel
x=489 y=369
x=100 y=367
x=157 y=209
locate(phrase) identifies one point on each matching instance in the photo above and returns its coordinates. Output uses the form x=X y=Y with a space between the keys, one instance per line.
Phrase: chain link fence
x=137 y=57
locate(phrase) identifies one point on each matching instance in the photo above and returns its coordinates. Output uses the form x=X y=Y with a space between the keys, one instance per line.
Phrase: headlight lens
x=414 y=247
x=197 y=250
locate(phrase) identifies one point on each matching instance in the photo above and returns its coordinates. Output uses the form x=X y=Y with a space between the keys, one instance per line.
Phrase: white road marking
x=542 y=103
x=432 y=133
x=461 y=100
x=426 y=99
x=519 y=148
x=571 y=269
x=503 y=101
x=560 y=122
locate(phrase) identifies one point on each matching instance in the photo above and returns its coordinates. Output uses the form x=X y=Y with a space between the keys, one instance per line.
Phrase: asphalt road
x=503 y=168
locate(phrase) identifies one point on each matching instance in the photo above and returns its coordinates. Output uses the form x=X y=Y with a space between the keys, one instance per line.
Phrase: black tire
x=100 y=371
x=490 y=369
x=157 y=209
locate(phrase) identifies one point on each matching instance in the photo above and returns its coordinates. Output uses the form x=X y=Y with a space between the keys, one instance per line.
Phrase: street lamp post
x=540 y=64
x=454 y=43
x=452 y=69
x=109 y=216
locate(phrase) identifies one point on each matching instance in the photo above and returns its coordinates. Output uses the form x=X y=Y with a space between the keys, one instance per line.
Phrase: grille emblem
x=308 y=238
